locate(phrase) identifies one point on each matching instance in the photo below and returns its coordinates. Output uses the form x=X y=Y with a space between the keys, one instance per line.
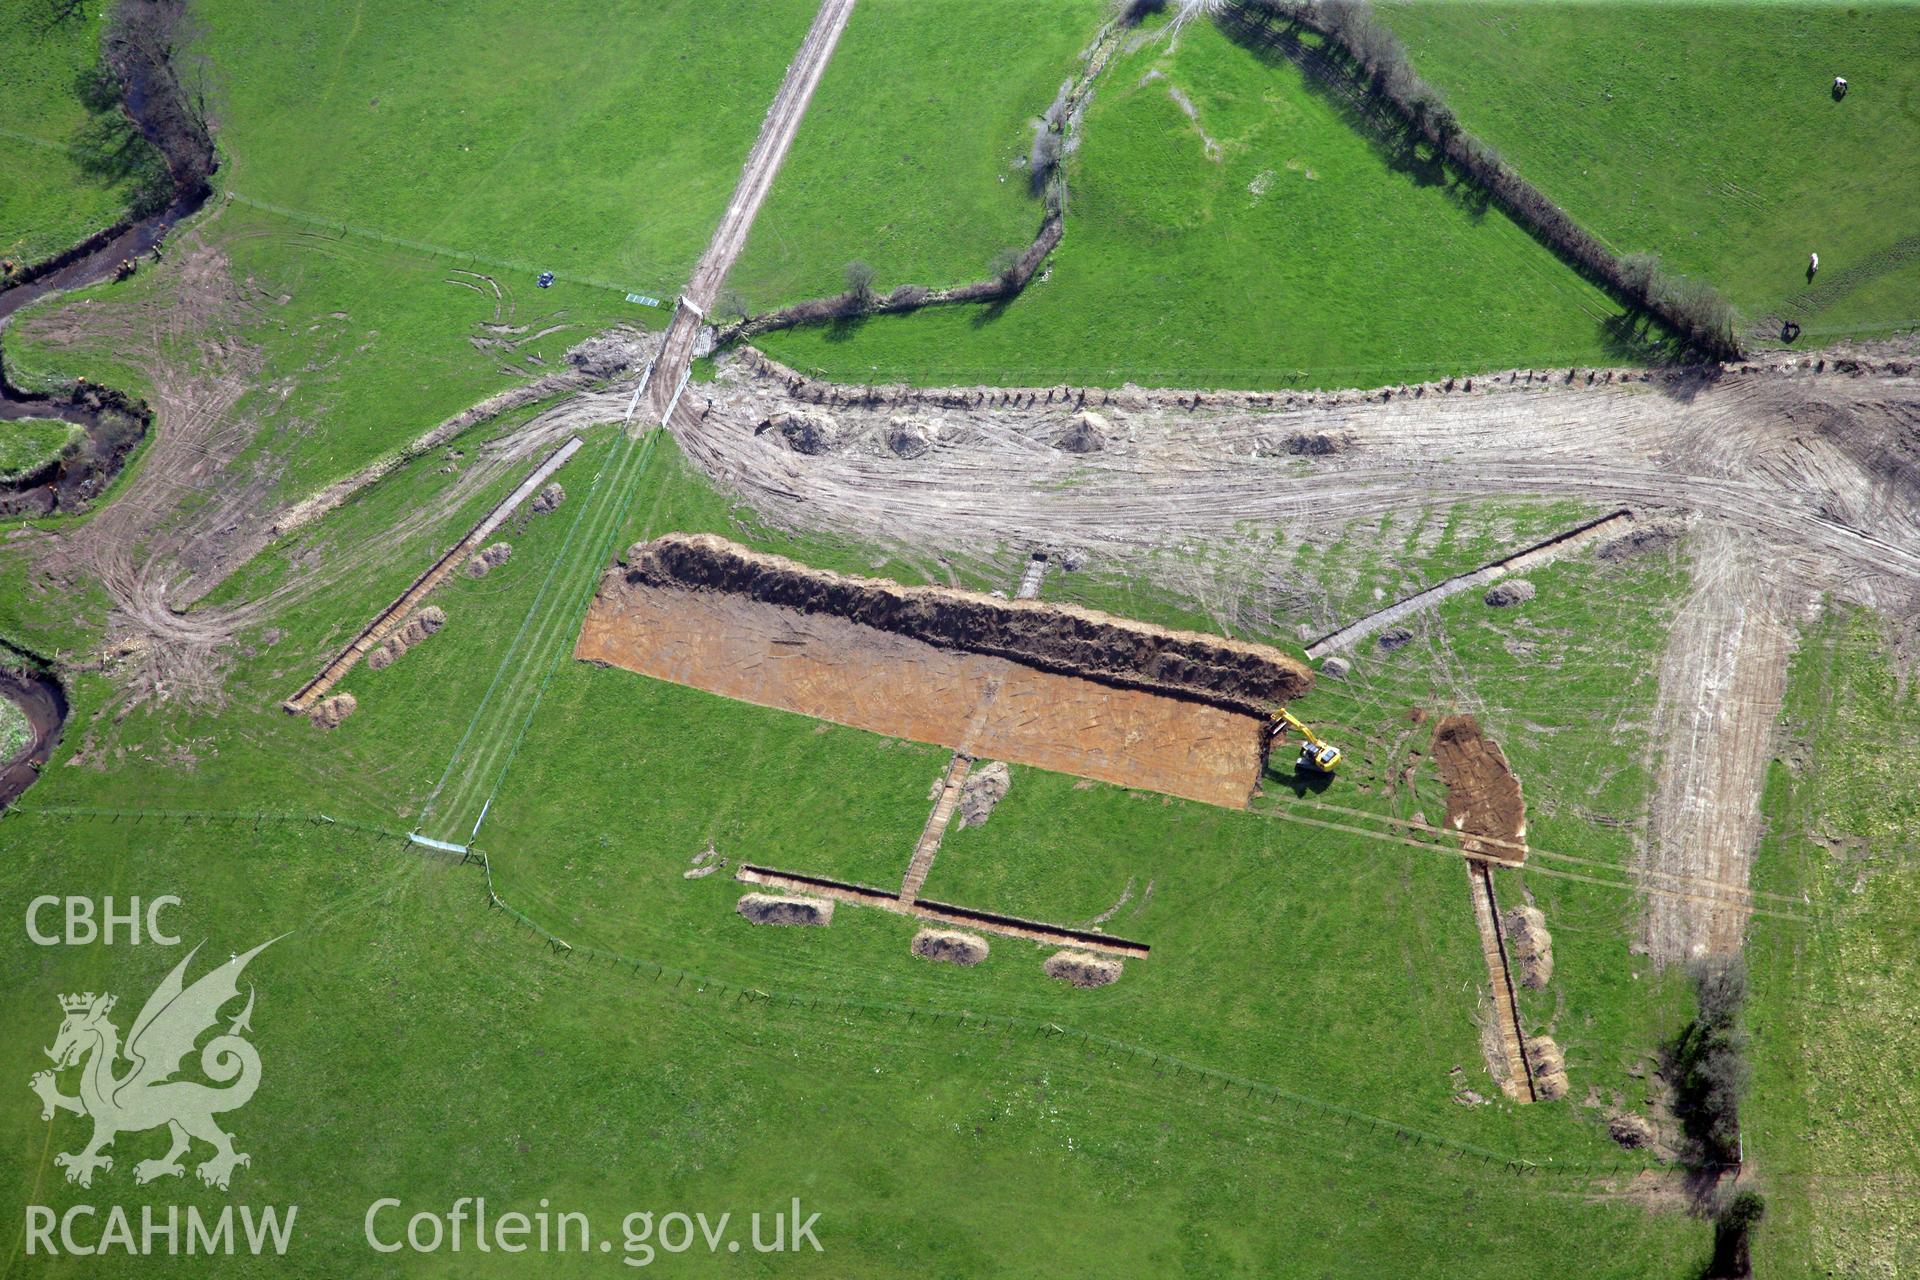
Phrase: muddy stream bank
x=45 y=704
x=158 y=106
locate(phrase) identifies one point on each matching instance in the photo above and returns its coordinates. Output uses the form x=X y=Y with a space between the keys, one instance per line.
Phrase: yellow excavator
x=1316 y=753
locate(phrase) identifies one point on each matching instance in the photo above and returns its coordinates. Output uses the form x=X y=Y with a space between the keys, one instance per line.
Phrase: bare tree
x=730 y=303
x=860 y=280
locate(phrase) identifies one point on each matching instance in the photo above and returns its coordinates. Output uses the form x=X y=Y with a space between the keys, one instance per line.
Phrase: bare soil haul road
x=1802 y=478
x=756 y=179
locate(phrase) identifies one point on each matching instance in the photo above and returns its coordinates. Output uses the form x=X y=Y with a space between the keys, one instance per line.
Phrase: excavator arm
x=1316 y=753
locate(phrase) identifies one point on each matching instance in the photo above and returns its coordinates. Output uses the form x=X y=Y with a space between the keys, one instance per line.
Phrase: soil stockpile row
x=821 y=664
x=1232 y=674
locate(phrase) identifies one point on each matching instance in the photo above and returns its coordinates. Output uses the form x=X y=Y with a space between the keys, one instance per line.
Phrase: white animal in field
x=1813 y=263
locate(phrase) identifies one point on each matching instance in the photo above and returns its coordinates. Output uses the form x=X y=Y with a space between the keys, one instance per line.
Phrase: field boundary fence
x=1226 y=1083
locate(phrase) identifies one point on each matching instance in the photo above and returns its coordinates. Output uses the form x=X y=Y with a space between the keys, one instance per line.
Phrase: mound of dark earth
x=1529 y=944
x=485 y=562
x=1645 y=541
x=984 y=788
x=1064 y=639
x=1082 y=969
x=950 y=947
x=417 y=628
x=770 y=908
x=1549 y=1068
x=333 y=712
x=1086 y=432
x=1504 y=595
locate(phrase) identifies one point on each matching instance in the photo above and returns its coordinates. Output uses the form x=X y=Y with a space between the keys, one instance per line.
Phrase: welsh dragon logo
x=146 y=1095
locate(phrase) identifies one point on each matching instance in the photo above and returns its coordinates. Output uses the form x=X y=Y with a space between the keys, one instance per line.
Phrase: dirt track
x=1799 y=477
x=756 y=179
x=198 y=507
x=1721 y=682
x=1821 y=469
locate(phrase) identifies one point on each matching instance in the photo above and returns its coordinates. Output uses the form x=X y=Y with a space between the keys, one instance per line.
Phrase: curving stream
x=45 y=703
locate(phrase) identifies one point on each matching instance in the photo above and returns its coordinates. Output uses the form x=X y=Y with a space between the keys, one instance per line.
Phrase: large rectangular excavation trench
x=1058 y=687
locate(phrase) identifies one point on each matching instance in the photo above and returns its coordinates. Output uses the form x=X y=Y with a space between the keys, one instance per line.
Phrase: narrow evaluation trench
x=1506 y=1008
x=1523 y=559
x=955 y=779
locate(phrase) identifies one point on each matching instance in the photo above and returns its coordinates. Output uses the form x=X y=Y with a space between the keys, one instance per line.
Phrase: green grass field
x=1099 y=1144
x=912 y=155
x=1706 y=133
x=575 y=138
x=33 y=442
x=355 y=249
x=1263 y=242
x=72 y=164
x=604 y=1092
x=15 y=732
x=1830 y=1123
x=347 y=347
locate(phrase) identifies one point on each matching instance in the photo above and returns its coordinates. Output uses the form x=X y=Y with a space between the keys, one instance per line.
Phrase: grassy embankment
x=33 y=442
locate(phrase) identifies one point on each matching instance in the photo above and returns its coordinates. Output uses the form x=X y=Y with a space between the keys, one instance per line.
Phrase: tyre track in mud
x=1723 y=677
x=1739 y=452
x=1798 y=480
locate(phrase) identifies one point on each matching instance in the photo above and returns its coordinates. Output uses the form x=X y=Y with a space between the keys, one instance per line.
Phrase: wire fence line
x=436 y=250
x=484 y=751
x=1227 y=1083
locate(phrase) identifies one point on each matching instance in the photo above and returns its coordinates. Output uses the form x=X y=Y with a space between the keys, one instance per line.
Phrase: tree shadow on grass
x=110 y=150
x=985 y=313
x=846 y=326
x=1285 y=45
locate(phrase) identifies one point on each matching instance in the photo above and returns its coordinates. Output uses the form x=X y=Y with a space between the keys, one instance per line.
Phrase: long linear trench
x=1506 y=1007
x=1520 y=561
x=941 y=912
x=394 y=614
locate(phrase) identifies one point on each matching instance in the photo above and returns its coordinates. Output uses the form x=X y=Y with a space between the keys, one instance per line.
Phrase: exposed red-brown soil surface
x=740 y=645
x=1483 y=796
x=1064 y=639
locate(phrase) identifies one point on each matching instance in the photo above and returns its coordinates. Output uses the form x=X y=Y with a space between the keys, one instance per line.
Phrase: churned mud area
x=690 y=611
x=1483 y=796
